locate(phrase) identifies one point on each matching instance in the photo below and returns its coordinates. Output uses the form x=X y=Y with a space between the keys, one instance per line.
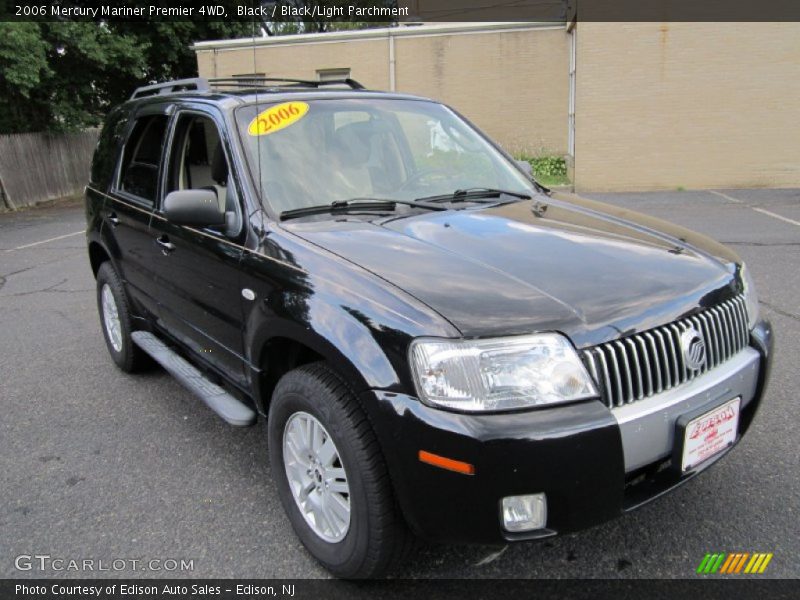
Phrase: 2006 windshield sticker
x=277 y=117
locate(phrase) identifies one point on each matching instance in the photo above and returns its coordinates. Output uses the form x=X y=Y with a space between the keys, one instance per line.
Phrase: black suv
x=440 y=345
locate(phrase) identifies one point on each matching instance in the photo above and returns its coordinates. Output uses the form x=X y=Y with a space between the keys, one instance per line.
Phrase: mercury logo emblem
x=694 y=348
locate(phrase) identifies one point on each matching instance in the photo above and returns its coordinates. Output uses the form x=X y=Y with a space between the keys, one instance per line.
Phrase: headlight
x=750 y=297
x=499 y=374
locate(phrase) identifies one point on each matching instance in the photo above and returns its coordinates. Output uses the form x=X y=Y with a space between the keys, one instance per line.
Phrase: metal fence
x=41 y=166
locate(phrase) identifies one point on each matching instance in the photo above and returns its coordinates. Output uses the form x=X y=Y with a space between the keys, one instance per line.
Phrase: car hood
x=586 y=269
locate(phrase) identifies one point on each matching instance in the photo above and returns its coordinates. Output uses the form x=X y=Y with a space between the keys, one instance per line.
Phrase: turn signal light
x=446 y=463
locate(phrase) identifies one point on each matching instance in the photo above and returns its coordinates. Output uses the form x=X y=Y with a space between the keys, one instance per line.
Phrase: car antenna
x=258 y=142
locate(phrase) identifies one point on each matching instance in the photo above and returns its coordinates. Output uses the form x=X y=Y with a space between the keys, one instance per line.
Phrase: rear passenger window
x=139 y=175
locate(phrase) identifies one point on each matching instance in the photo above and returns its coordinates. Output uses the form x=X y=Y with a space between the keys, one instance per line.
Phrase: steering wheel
x=424 y=174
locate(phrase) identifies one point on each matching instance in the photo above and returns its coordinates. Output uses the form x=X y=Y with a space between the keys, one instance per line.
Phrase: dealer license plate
x=710 y=433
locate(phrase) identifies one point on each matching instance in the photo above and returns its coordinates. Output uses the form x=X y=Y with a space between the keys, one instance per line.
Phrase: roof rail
x=200 y=84
x=245 y=81
x=170 y=87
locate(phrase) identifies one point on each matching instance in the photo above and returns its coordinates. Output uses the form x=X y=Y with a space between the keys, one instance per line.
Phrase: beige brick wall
x=693 y=105
x=513 y=85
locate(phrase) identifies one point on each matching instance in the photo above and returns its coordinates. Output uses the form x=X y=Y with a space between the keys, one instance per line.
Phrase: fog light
x=524 y=513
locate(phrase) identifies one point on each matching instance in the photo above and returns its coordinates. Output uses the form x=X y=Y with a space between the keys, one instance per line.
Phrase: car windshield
x=317 y=152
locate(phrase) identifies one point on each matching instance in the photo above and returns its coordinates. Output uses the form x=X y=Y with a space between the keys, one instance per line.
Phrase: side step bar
x=217 y=399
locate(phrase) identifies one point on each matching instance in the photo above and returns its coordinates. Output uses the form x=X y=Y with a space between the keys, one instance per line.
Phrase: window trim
x=160 y=110
x=232 y=178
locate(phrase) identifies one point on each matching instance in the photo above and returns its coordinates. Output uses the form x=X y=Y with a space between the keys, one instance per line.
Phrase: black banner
x=401 y=11
x=300 y=589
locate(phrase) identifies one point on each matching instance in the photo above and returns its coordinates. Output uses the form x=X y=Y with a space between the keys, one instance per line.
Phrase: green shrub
x=549 y=166
x=548 y=169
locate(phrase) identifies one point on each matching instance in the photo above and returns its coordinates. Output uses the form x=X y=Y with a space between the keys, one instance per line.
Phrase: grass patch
x=549 y=170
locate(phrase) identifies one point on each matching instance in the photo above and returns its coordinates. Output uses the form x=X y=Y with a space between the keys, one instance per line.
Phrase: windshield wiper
x=475 y=194
x=354 y=204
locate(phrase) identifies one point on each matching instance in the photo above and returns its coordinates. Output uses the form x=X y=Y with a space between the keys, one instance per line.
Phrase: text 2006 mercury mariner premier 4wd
x=442 y=347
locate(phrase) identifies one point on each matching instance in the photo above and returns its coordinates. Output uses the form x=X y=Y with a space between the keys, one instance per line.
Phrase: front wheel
x=331 y=476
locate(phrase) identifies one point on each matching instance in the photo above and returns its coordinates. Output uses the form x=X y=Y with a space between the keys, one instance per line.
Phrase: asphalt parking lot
x=101 y=465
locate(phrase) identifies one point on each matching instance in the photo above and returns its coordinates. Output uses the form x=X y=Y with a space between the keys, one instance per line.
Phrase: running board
x=221 y=402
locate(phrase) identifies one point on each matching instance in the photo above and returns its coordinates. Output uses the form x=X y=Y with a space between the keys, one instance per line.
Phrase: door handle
x=166 y=245
x=112 y=218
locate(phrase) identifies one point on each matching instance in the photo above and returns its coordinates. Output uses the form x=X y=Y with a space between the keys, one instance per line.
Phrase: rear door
x=131 y=205
x=197 y=270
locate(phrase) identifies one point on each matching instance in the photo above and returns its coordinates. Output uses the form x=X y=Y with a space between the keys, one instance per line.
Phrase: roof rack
x=170 y=87
x=201 y=84
x=245 y=81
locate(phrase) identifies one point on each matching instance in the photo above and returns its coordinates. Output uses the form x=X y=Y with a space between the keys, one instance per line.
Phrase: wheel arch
x=281 y=346
x=97 y=256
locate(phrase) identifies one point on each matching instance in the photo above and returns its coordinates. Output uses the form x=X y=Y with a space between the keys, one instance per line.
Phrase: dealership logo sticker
x=694 y=348
x=734 y=563
x=277 y=117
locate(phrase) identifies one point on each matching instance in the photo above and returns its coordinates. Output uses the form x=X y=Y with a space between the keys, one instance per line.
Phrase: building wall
x=657 y=105
x=511 y=83
x=368 y=60
x=693 y=105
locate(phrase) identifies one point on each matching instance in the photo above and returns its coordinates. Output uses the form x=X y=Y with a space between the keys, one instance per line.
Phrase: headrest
x=351 y=144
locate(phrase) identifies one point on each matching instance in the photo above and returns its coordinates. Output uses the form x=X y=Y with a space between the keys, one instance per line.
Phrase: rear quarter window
x=106 y=153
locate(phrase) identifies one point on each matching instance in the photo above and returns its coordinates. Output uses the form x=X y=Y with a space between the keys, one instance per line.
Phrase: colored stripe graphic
x=703 y=563
x=718 y=563
x=734 y=562
x=766 y=562
x=741 y=562
x=729 y=562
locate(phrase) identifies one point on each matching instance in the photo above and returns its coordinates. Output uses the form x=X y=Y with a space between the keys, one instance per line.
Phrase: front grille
x=648 y=363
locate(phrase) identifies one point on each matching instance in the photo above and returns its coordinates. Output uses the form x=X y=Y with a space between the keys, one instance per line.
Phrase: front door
x=197 y=271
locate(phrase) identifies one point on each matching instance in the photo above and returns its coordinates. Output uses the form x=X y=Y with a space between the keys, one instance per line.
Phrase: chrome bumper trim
x=648 y=426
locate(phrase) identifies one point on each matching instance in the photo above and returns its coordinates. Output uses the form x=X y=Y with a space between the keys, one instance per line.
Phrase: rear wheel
x=331 y=476
x=115 y=319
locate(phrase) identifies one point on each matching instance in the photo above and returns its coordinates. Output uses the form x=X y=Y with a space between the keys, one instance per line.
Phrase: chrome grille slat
x=662 y=359
x=743 y=322
x=738 y=326
x=677 y=357
x=646 y=363
x=653 y=358
x=623 y=359
x=734 y=310
x=606 y=377
x=637 y=372
x=593 y=366
x=616 y=376
x=721 y=328
x=702 y=324
x=726 y=311
x=640 y=365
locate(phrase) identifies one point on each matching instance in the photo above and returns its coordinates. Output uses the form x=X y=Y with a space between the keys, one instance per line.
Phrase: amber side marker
x=446 y=463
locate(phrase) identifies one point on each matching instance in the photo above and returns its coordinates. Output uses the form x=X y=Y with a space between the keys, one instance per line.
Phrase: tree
x=62 y=76
x=23 y=66
x=320 y=24
x=65 y=75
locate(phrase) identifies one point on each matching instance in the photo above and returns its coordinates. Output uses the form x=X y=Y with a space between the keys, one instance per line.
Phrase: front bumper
x=593 y=463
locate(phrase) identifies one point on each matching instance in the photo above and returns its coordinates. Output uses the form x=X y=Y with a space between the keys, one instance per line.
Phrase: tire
x=110 y=293
x=376 y=538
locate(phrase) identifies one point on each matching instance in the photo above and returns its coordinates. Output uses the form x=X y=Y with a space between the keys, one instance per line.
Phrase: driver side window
x=198 y=161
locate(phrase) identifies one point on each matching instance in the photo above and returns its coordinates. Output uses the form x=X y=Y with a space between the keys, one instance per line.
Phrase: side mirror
x=199 y=208
x=526 y=167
